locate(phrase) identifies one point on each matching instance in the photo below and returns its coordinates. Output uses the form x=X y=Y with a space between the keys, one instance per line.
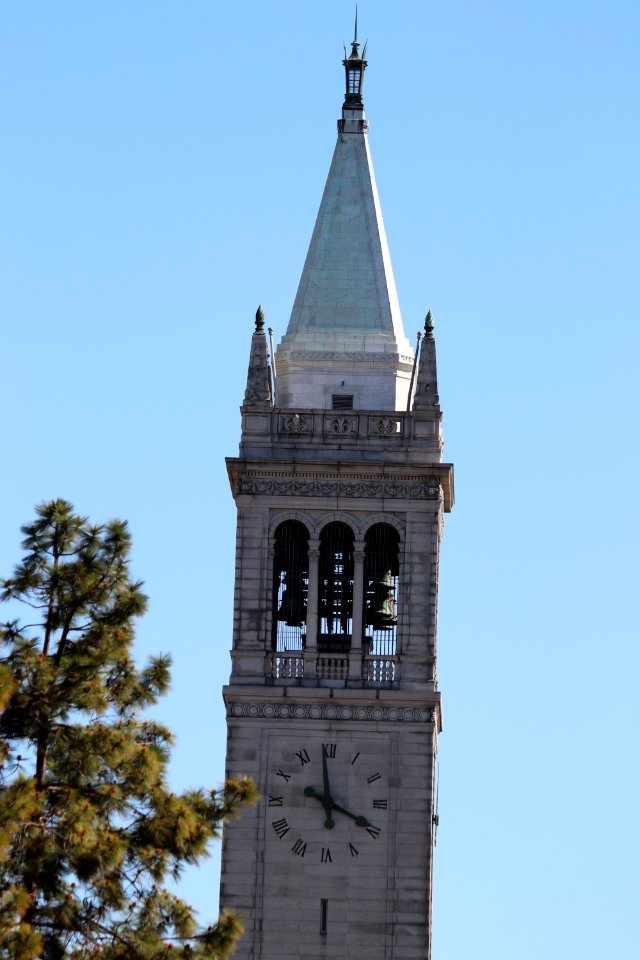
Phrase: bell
x=292 y=609
x=381 y=615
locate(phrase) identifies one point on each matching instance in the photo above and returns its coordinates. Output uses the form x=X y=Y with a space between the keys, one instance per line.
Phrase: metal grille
x=335 y=605
x=342 y=401
x=381 y=570
x=290 y=586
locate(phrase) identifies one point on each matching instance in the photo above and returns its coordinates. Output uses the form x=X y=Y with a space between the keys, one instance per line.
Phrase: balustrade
x=377 y=671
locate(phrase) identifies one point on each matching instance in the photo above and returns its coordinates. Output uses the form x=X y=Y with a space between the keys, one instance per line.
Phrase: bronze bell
x=381 y=615
x=292 y=608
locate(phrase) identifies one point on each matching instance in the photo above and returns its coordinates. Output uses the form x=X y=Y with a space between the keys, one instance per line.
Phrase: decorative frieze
x=386 y=426
x=295 y=423
x=341 y=426
x=428 y=489
x=331 y=711
x=386 y=358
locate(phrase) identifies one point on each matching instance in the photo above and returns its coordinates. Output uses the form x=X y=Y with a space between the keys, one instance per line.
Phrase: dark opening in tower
x=381 y=576
x=290 y=586
x=335 y=607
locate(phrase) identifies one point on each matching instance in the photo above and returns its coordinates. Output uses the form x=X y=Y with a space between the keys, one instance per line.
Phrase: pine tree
x=89 y=829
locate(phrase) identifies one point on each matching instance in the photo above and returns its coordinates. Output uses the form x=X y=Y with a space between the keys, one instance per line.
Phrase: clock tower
x=333 y=704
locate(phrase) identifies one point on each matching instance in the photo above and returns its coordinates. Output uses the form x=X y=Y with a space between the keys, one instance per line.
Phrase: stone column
x=355 y=656
x=311 y=647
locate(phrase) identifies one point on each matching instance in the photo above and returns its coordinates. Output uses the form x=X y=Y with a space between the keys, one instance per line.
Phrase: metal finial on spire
x=259 y=320
x=354 y=65
x=429 y=325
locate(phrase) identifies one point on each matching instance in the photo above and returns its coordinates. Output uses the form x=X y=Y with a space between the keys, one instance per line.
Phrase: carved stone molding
x=385 y=426
x=295 y=423
x=331 y=711
x=341 y=426
x=387 y=358
x=389 y=489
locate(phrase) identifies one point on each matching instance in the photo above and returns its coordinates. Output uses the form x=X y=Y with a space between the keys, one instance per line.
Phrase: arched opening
x=381 y=576
x=335 y=600
x=290 y=586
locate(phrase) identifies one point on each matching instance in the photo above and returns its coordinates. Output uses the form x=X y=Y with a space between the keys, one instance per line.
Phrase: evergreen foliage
x=89 y=829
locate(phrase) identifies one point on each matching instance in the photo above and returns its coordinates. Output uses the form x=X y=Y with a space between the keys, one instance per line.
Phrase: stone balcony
x=330 y=669
x=393 y=436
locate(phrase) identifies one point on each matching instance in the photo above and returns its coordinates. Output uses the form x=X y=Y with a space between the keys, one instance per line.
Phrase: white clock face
x=327 y=800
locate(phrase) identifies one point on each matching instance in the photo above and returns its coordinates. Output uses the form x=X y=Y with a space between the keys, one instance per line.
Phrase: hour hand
x=359 y=820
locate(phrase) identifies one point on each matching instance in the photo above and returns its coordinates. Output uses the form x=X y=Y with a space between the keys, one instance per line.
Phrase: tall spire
x=345 y=329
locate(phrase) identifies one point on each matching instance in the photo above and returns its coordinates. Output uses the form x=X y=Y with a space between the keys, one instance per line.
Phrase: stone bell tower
x=333 y=704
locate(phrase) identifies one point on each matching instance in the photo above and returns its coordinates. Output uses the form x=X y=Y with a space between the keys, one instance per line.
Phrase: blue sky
x=161 y=168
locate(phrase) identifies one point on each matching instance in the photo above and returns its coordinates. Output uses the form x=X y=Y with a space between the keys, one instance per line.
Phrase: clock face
x=327 y=800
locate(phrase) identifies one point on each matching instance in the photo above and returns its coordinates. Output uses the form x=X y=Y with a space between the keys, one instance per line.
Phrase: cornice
x=287 y=478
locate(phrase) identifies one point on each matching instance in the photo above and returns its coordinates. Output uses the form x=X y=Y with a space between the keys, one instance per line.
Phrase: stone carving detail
x=295 y=423
x=331 y=711
x=392 y=489
x=327 y=355
x=385 y=426
x=341 y=426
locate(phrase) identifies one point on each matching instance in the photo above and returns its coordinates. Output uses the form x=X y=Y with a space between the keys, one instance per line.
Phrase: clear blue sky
x=161 y=168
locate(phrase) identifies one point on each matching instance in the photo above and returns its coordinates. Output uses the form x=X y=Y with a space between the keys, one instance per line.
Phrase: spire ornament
x=426 y=397
x=429 y=325
x=259 y=392
x=354 y=66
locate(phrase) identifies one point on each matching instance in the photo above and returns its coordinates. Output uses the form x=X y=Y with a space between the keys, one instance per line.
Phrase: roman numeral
x=374 y=777
x=379 y=804
x=303 y=756
x=373 y=831
x=281 y=827
x=299 y=848
x=285 y=776
x=329 y=750
x=353 y=851
x=275 y=801
x=325 y=856
x=355 y=758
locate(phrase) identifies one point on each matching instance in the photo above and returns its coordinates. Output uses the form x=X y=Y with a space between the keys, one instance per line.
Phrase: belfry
x=333 y=704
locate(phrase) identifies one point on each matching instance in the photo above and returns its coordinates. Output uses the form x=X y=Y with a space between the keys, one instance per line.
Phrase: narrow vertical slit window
x=290 y=586
x=335 y=607
x=324 y=910
x=381 y=583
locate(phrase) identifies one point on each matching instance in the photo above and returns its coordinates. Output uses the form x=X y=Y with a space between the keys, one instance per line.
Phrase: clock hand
x=325 y=775
x=360 y=821
x=326 y=802
x=332 y=805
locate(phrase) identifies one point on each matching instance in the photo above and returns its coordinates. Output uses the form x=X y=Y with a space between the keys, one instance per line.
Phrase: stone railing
x=287 y=666
x=333 y=667
x=379 y=671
